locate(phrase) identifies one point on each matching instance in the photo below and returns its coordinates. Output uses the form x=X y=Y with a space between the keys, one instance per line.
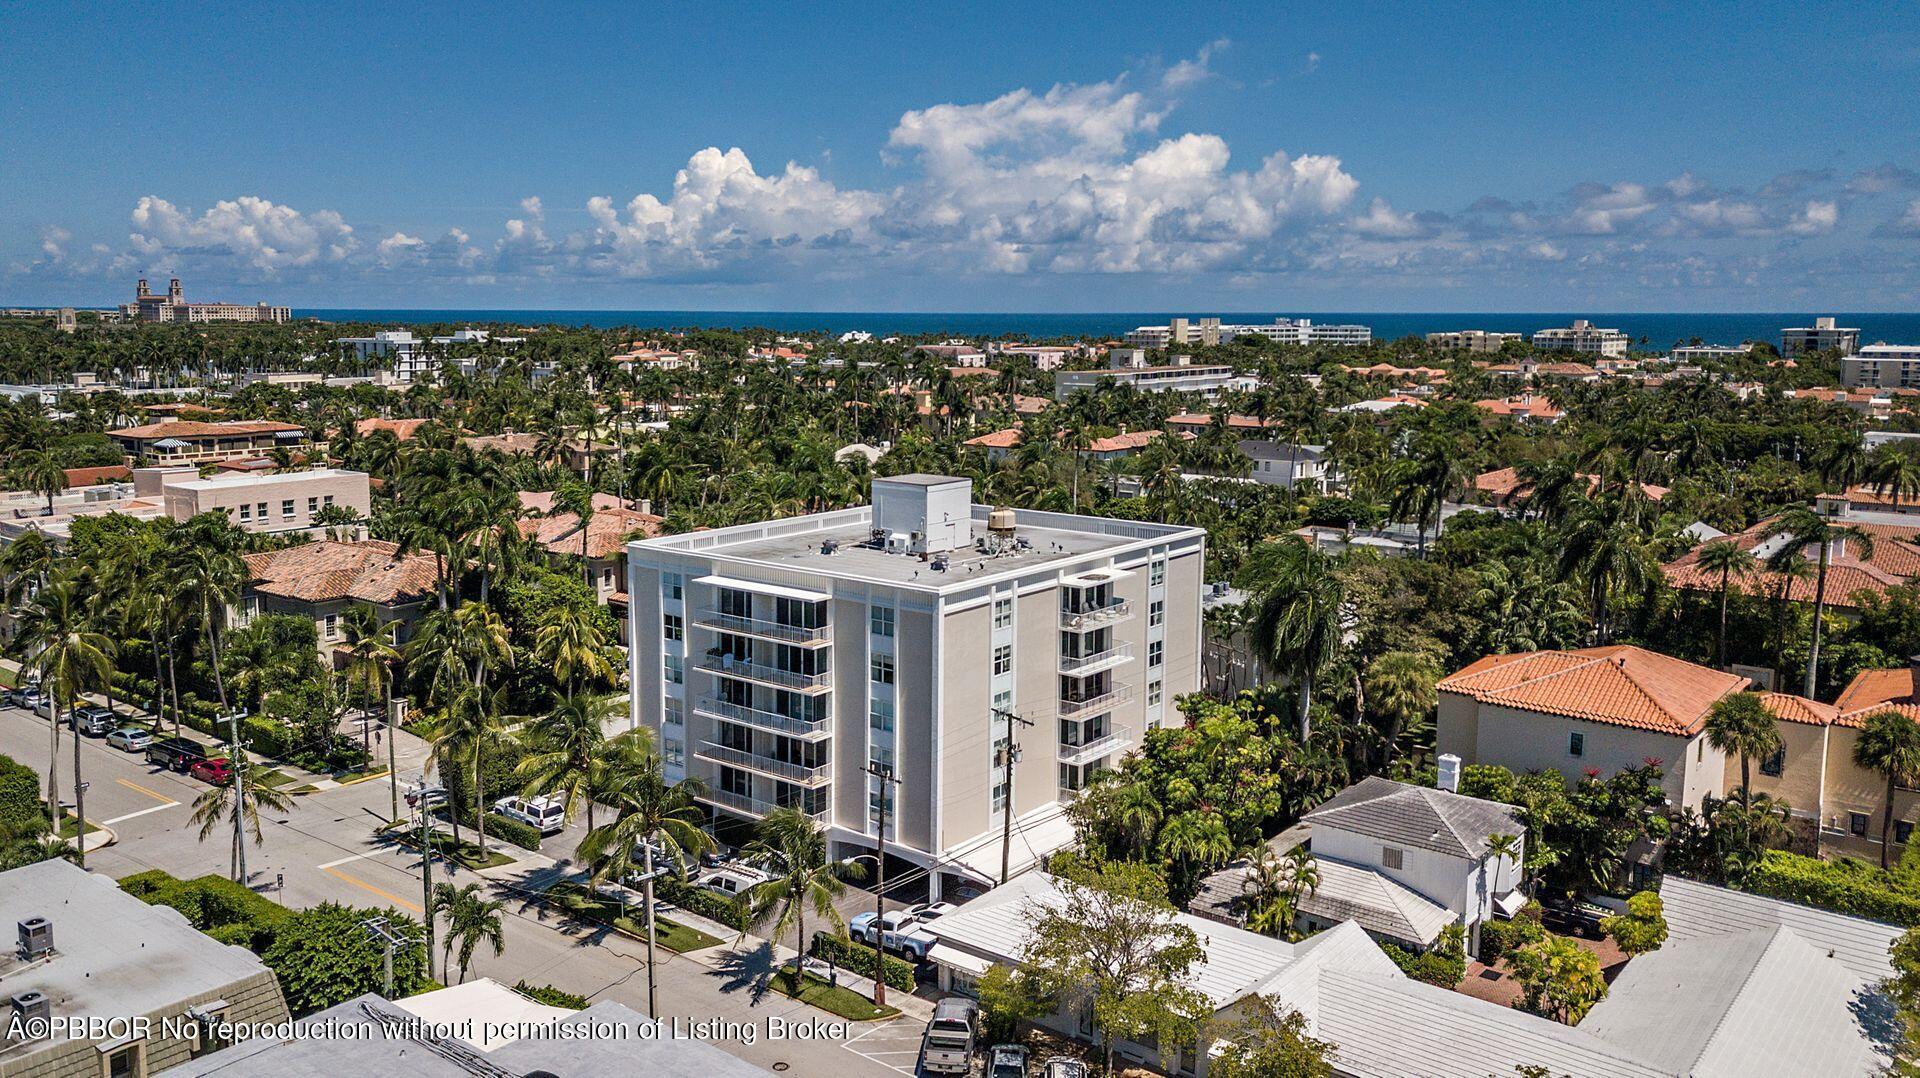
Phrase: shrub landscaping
x=582 y=902
x=858 y=958
x=727 y=911
x=1847 y=885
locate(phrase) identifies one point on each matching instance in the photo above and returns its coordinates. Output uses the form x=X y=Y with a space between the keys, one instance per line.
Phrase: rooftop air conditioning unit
x=33 y=1010
x=36 y=937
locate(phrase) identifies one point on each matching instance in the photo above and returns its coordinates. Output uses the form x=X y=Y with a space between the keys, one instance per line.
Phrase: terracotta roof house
x=186 y=441
x=1602 y=709
x=1522 y=408
x=1505 y=488
x=321 y=579
x=1197 y=422
x=92 y=477
x=401 y=429
x=1122 y=445
x=1851 y=572
x=608 y=530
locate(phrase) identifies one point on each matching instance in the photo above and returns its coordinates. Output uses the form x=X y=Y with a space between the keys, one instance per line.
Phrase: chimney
x=1449 y=773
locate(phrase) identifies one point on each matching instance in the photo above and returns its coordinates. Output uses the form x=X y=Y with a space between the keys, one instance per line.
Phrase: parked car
x=947 y=1045
x=1007 y=1061
x=901 y=931
x=131 y=738
x=1573 y=917
x=733 y=880
x=94 y=720
x=176 y=753
x=719 y=855
x=1066 y=1067
x=427 y=797
x=547 y=814
x=30 y=697
x=217 y=771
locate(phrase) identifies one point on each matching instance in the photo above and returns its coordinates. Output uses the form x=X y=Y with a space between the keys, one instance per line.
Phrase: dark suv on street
x=176 y=753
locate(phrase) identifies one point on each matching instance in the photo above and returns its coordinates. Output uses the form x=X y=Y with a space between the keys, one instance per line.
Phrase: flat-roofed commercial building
x=1825 y=333
x=1882 y=366
x=1583 y=337
x=777 y=661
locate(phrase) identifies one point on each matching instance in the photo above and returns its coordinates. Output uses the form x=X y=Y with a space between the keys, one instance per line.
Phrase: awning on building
x=760 y=588
x=955 y=958
x=1095 y=576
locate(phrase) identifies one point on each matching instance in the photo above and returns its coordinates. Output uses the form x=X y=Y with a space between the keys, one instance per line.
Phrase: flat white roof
x=761 y=588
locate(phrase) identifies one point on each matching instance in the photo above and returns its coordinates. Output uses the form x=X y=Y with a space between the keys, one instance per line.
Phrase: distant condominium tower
x=1821 y=336
x=822 y=662
x=1584 y=337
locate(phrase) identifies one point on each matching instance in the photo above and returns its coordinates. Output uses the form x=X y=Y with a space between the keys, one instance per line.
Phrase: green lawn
x=466 y=852
x=68 y=825
x=9 y=678
x=815 y=992
x=578 y=901
x=274 y=779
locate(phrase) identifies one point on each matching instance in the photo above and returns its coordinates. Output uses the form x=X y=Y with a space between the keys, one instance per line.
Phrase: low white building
x=1473 y=340
x=1288 y=465
x=407 y=353
x=1583 y=337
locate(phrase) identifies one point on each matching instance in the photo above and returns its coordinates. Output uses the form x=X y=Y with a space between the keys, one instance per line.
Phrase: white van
x=547 y=814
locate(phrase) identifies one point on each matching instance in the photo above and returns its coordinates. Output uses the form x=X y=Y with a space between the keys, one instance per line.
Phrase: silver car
x=131 y=738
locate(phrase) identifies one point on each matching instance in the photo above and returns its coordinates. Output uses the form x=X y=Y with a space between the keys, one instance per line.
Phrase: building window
x=1002 y=613
x=1857 y=823
x=880 y=714
x=673 y=752
x=1157 y=612
x=330 y=627
x=1390 y=857
x=260 y=510
x=676 y=672
x=1774 y=764
x=672 y=714
x=327 y=500
x=1902 y=831
x=736 y=782
x=313 y=506
x=1157 y=572
x=880 y=618
x=882 y=669
x=676 y=627
x=246 y=511
x=1700 y=751
x=286 y=507
x=1153 y=694
x=1003 y=660
x=672 y=585
x=1156 y=653
x=125 y=1062
x=1576 y=744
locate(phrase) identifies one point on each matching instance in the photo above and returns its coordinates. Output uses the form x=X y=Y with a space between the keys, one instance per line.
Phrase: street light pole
x=883 y=772
x=1006 y=812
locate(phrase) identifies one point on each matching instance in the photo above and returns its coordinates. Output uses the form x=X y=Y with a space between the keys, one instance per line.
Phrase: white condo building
x=1882 y=366
x=407 y=352
x=1819 y=337
x=1473 y=340
x=1583 y=337
x=778 y=661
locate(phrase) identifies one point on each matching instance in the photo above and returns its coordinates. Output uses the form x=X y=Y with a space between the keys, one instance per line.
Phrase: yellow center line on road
x=365 y=886
x=162 y=798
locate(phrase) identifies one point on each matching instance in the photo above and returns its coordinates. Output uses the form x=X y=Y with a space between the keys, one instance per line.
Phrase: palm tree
x=1400 y=685
x=1727 y=559
x=1302 y=874
x=371 y=657
x=1605 y=547
x=1264 y=894
x=792 y=848
x=70 y=658
x=211 y=574
x=1741 y=724
x=653 y=816
x=577 y=499
x=1436 y=469
x=567 y=639
x=1503 y=848
x=1890 y=745
x=472 y=919
x=1805 y=528
x=38 y=471
x=236 y=800
x=567 y=743
x=1297 y=630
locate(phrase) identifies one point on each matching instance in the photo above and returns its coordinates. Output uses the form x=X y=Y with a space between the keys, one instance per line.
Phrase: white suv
x=547 y=814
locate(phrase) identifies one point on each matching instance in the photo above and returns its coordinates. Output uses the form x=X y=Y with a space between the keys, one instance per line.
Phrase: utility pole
x=239 y=781
x=1006 y=813
x=883 y=772
x=426 y=883
x=377 y=928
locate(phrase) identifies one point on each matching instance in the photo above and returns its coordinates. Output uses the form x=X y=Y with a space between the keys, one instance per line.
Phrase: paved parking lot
x=894 y=1045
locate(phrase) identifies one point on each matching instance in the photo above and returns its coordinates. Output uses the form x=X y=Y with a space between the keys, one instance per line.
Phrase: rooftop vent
x=830 y=546
x=36 y=937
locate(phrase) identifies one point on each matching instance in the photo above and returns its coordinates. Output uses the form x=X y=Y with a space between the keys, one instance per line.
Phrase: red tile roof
x=187 y=428
x=1895 y=561
x=1618 y=684
x=401 y=429
x=999 y=439
x=607 y=531
x=327 y=571
x=87 y=477
x=1535 y=406
x=1201 y=420
x=1505 y=485
x=1790 y=708
x=1124 y=442
x=1877 y=690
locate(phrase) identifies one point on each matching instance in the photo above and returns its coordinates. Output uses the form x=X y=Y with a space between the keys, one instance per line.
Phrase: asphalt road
x=325 y=850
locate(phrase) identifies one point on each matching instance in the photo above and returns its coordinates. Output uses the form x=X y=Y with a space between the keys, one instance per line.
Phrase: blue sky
x=967 y=157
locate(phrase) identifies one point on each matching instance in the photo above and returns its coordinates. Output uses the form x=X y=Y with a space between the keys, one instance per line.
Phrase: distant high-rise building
x=1473 y=340
x=1583 y=337
x=148 y=306
x=1823 y=334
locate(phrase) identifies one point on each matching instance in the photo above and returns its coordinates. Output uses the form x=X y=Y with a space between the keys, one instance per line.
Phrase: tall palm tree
x=653 y=817
x=371 y=658
x=469 y=728
x=1196 y=838
x=1889 y=745
x=1437 y=468
x=1302 y=874
x=567 y=639
x=1605 y=547
x=577 y=499
x=70 y=657
x=211 y=574
x=792 y=848
x=472 y=919
x=1805 y=528
x=38 y=471
x=1297 y=630
x=1400 y=685
x=234 y=801
x=1503 y=848
x=566 y=747
x=1741 y=724
x=1264 y=894
x=1725 y=559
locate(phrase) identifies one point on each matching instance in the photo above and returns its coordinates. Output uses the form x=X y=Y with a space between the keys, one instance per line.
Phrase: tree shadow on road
x=747 y=970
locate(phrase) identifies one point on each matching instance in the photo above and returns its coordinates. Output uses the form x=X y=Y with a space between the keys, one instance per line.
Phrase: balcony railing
x=729 y=666
x=1082 y=665
x=811 y=636
x=800 y=774
x=814 y=729
x=1092 y=616
x=749 y=804
x=1113 y=741
x=1094 y=705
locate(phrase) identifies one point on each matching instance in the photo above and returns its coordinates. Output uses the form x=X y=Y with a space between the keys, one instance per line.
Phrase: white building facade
x=779 y=661
x=1583 y=337
x=1882 y=366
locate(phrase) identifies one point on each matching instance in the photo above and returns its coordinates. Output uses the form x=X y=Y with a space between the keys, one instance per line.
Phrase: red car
x=218 y=771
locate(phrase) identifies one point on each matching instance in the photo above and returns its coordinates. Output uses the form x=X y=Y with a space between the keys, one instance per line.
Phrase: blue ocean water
x=1659 y=330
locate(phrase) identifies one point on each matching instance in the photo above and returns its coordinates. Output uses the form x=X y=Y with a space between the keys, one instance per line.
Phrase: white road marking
x=906 y=1036
x=142 y=812
x=349 y=860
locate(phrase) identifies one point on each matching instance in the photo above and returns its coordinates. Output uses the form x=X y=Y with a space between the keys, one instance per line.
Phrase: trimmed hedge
x=551 y=996
x=1843 y=887
x=505 y=828
x=1500 y=938
x=727 y=911
x=223 y=909
x=21 y=809
x=858 y=958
